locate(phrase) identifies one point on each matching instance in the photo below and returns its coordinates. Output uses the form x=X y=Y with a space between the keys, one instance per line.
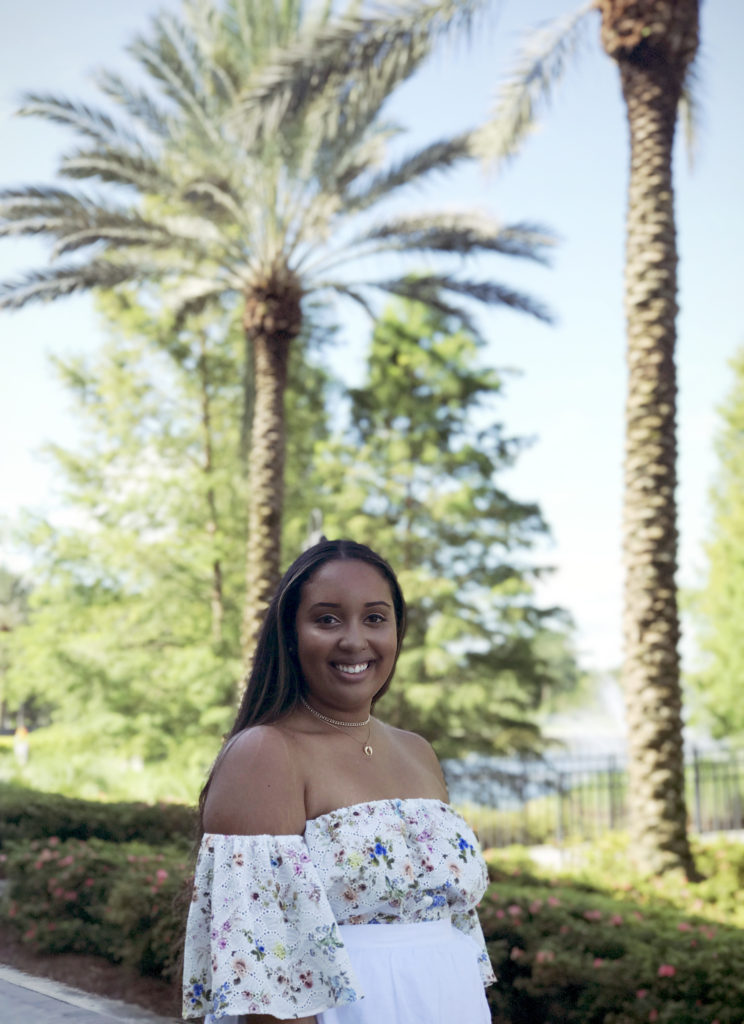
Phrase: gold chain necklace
x=367 y=748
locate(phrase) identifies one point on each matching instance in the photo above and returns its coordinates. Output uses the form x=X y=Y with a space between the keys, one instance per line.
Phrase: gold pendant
x=368 y=750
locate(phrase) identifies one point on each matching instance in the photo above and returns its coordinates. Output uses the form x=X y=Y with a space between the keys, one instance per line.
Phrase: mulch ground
x=93 y=974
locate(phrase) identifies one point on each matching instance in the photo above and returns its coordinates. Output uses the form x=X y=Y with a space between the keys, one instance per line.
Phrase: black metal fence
x=557 y=799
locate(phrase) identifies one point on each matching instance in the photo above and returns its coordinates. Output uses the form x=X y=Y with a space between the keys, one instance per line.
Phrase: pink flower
x=667 y=971
x=598 y=961
x=536 y=906
x=516 y=952
x=514 y=909
x=554 y=901
x=88 y=883
x=616 y=920
x=500 y=913
x=637 y=915
x=593 y=915
x=641 y=993
x=545 y=956
x=653 y=1015
x=66 y=861
x=564 y=929
x=684 y=926
x=161 y=874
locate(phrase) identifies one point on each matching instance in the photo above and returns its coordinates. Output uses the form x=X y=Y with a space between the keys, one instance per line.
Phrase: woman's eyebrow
x=335 y=604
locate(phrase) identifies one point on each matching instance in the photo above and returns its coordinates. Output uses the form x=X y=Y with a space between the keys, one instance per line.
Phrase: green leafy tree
x=718 y=606
x=14 y=594
x=134 y=631
x=206 y=198
x=417 y=477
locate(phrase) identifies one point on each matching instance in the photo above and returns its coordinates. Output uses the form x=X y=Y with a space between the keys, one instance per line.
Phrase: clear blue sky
x=571 y=176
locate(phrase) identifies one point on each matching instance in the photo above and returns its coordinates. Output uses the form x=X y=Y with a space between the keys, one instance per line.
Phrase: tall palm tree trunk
x=272 y=320
x=653 y=42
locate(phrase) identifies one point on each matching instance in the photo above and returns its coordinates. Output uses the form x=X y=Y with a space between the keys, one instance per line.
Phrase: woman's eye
x=375 y=617
x=327 y=620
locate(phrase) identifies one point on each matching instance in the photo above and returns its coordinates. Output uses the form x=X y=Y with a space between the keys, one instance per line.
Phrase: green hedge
x=124 y=901
x=607 y=950
x=27 y=814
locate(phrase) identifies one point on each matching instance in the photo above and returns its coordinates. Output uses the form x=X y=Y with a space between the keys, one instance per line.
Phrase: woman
x=322 y=824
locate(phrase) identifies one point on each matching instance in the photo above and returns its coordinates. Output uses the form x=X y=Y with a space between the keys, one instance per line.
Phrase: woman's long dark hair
x=275 y=682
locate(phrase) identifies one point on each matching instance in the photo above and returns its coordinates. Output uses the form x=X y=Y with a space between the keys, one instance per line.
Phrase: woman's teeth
x=353 y=669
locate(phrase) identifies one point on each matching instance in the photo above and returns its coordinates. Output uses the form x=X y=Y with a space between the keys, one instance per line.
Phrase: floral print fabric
x=263 y=936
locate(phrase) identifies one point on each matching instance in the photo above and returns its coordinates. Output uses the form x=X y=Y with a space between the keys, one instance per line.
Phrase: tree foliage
x=135 y=613
x=717 y=686
x=417 y=476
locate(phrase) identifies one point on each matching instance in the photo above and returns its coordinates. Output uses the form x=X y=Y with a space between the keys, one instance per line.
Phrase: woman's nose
x=353 y=639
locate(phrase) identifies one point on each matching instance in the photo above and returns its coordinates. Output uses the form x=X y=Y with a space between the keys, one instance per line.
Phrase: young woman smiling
x=321 y=822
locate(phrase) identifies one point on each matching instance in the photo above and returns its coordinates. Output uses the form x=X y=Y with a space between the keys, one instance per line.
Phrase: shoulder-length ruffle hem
x=261 y=935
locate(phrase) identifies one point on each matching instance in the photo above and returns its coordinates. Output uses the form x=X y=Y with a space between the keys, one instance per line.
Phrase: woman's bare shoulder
x=257 y=787
x=419 y=751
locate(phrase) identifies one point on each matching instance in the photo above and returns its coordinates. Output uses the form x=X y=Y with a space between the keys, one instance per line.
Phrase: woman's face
x=346 y=635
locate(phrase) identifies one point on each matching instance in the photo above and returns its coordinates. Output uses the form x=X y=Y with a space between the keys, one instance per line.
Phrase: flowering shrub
x=29 y=814
x=612 y=949
x=122 y=901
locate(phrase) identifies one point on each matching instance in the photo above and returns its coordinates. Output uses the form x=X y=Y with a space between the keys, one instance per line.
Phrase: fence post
x=612 y=779
x=696 y=785
x=559 y=809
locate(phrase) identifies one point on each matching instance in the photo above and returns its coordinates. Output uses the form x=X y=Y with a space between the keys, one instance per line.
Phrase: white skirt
x=412 y=974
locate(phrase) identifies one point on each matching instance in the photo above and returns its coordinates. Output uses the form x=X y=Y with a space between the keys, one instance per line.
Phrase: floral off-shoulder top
x=262 y=933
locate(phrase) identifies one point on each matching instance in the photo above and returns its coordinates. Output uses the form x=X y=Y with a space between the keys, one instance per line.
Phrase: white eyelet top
x=262 y=933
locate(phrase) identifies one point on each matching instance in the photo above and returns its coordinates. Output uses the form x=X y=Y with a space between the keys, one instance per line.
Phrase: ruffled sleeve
x=261 y=935
x=469 y=923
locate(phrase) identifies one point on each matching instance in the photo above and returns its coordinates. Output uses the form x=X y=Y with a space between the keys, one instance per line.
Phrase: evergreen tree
x=721 y=637
x=136 y=610
x=416 y=477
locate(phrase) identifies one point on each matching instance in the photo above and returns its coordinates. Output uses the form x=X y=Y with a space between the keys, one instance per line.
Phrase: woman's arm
x=257 y=789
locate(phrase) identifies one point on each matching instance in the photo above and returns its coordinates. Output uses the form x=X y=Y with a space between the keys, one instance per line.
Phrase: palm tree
x=211 y=195
x=653 y=43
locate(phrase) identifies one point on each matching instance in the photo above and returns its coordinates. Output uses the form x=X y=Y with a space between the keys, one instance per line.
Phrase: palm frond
x=47 y=285
x=120 y=167
x=215 y=197
x=349 y=292
x=429 y=288
x=438 y=156
x=87 y=121
x=429 y=291
x=163 y=59
x=351 y=52
x=129 y=233
x=137 y=103
x=538 y=69
x=690 y=110
x=75 y=221
x=462 y=233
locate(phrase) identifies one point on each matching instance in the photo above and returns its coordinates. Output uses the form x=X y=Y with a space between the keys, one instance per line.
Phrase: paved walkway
x=25 y=999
